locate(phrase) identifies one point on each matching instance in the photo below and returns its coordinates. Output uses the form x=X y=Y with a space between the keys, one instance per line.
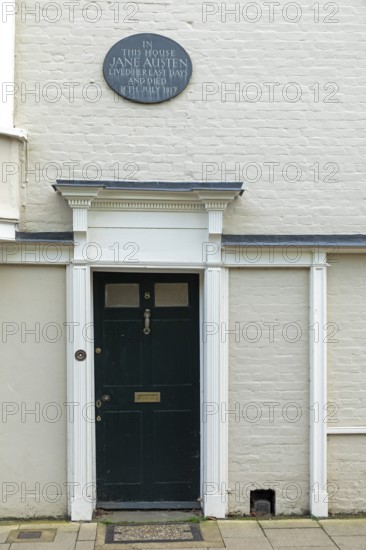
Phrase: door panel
x=122 y=364
x=123 y=467
x=172 y=356
x=172 y=456
x=147 y=451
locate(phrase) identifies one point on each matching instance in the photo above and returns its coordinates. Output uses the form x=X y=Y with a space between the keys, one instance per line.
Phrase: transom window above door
x=122 y=295
x=128 y=295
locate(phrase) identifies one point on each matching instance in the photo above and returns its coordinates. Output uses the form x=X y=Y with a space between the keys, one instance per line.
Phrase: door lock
x=98 y=403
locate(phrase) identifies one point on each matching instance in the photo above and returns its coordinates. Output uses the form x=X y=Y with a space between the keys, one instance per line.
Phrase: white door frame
x=195 y=222
x=214 y=384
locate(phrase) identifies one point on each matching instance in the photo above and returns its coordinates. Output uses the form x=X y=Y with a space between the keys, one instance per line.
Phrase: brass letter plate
x=147 y=397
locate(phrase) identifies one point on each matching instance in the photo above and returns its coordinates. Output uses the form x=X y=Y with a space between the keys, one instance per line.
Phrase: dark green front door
x=147 y=389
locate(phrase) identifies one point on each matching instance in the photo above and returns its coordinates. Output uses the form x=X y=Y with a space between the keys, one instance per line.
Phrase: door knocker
x=147 y=321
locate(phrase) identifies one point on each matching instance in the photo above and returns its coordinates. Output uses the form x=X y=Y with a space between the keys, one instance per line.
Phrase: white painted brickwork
x=33 y=391
x=206 y=132
x=346 y=474
x=347 y=346
x=269 y=376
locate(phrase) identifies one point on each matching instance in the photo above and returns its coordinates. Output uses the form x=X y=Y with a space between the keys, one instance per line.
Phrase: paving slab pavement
x=306 y=547
x=288 y=523
x=248 y=543
x=233 y=534
x=295 y=538
x=351 y=543
x=5 y=530
x=85 y=545
x=344 y=527
x=240 y=528
x=87 y=531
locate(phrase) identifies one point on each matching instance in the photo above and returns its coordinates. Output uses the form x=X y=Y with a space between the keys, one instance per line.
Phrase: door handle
x=147 y=321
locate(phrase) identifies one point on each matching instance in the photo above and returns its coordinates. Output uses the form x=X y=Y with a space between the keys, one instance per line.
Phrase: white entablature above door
x=165 y=222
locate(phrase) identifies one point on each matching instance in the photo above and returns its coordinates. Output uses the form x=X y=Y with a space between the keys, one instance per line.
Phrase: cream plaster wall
x=33 y=391
x=269 y=387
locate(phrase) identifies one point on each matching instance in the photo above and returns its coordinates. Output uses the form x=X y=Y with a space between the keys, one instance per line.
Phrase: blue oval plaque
x=147 y=68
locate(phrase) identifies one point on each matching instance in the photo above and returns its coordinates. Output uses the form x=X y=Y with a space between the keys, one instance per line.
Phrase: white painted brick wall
x=347 y=382
x=347 y=346
x=174 y=140
x=346 y=474
x=269 y=373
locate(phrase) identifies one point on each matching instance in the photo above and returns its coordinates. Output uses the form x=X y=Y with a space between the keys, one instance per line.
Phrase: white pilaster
x=80 y=207
x=215 y=216
x=215 y=221
x=80 y=218
x=81 y=390
x=318 y=387
x=215 y=474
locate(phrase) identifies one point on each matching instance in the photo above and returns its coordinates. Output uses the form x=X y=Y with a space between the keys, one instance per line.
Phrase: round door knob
x=80 y=355
x=105 y=398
